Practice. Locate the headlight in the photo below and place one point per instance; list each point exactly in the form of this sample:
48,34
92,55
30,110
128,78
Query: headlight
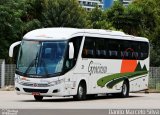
17,78
53,83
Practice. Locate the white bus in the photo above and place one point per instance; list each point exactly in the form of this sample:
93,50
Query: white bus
80,62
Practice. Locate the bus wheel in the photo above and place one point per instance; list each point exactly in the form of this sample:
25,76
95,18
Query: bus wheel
81,92
125,89
38,98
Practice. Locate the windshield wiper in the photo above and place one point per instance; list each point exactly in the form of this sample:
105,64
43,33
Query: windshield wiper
33,62
53,74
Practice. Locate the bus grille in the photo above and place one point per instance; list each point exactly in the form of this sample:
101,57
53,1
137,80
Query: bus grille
33,84
35,90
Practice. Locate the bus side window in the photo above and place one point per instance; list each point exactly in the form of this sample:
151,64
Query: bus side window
113,48
144,47
125,53
88,48
100,48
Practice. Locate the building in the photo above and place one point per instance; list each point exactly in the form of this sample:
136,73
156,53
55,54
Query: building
102,4
90,4
126,2
109,3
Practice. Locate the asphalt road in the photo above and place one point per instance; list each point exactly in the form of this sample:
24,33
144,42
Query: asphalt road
9,99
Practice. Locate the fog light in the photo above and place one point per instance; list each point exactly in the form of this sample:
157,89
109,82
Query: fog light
17,89
55,91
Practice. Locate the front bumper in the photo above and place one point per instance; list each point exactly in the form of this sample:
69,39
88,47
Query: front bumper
58,90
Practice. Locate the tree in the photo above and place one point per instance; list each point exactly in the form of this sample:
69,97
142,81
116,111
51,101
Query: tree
131,20
64,13
10,25
97,19
148,16
150,26
115,15
127,19
32,14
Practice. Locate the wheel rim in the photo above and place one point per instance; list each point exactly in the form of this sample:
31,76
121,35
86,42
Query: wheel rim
80,91
124,89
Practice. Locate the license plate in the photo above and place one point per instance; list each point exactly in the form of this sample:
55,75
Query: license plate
35,93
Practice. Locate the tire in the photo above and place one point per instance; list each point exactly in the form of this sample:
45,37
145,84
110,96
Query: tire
125,90
38,98
81,92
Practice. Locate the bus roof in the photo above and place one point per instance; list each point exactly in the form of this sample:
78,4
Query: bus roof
66,33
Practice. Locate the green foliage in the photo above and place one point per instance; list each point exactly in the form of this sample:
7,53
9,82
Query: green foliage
64,13
10,25
148,16
97,20
115,15
127,19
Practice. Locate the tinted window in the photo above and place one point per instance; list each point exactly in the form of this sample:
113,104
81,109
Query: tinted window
101,48
88,49
144,48
114,49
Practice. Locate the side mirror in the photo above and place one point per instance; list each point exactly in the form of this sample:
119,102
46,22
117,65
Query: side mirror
12,48
71,50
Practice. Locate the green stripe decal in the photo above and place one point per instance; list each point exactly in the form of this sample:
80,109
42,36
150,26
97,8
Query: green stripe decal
114,79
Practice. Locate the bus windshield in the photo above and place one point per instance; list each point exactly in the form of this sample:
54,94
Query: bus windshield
41,58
